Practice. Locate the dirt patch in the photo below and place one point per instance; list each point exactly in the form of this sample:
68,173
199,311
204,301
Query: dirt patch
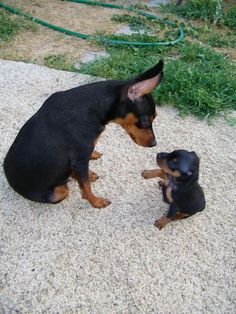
35,47
78,17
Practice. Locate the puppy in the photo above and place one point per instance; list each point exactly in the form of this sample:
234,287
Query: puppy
59,140
179,171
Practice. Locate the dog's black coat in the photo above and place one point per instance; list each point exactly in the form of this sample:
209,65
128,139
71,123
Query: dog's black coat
61,136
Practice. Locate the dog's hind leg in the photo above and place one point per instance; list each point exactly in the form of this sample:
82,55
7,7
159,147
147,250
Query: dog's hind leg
54,196
59,193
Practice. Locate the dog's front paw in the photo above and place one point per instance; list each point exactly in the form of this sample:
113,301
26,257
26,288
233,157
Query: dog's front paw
93,176
160,223
96,155
100,202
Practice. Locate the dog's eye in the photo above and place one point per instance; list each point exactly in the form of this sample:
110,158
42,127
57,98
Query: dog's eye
143,124
138,125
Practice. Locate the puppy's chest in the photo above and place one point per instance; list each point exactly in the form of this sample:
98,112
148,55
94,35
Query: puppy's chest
168,189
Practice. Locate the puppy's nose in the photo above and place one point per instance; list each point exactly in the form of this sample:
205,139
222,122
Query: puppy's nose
161,156
153,143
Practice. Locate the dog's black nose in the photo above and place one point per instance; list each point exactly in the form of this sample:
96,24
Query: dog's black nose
153,143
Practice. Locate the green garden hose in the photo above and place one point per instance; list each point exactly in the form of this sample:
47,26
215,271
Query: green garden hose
101,38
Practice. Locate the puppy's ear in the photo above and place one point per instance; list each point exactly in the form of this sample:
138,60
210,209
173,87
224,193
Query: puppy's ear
146,82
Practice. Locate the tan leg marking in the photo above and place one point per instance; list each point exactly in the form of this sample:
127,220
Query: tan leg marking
95,155
59,193
162,222
169,194
87,194
180,215
93,176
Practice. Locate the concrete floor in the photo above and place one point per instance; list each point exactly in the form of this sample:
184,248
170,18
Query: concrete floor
72,258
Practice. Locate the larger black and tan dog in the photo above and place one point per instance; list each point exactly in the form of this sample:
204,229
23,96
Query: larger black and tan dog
59,140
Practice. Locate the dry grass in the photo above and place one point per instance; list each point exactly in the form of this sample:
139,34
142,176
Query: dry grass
35,46
79,17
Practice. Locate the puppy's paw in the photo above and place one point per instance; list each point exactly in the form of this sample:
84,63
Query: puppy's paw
150,174
100,202
161,183
161,222
146,174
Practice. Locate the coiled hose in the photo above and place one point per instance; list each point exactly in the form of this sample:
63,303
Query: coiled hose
101,38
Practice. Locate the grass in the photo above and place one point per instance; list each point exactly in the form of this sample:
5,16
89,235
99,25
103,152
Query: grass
10,25
197,9
230,18
59,62
204,10
211,35
197,79
231,121
136,23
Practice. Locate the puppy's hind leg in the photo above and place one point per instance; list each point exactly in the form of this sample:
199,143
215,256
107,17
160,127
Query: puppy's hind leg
180,215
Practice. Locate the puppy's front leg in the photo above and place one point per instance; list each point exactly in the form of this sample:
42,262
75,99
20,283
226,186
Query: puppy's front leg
150,174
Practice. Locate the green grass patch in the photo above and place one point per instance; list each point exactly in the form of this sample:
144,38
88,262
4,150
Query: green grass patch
204,10
211,35
193,9
136,23
11,24
59,62
231,121
197,79
229,18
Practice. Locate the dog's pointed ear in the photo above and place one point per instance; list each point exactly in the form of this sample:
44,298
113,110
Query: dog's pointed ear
146,82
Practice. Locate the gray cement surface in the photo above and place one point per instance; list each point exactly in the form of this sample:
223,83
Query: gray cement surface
72,258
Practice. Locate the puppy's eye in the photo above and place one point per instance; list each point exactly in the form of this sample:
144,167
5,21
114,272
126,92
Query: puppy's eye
173,163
